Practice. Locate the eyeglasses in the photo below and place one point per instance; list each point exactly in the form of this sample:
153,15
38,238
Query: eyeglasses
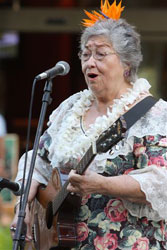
97,55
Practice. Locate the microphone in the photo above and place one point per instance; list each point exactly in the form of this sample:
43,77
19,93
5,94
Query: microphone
61,68
15,187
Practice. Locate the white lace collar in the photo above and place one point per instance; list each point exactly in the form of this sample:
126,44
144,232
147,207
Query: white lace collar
70,141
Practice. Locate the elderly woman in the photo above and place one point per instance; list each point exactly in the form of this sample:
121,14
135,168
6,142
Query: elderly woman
123,191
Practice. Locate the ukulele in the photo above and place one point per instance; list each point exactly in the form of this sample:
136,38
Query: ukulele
54,208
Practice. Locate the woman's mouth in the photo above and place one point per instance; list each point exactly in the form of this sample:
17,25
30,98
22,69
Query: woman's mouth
92,76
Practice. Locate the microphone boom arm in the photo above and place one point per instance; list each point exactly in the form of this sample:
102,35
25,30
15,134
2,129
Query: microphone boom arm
15,187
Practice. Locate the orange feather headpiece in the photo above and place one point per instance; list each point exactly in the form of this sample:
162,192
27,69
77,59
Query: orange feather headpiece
108,11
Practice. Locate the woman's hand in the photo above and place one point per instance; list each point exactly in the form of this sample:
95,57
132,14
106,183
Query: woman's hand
88,183
122,186
27,221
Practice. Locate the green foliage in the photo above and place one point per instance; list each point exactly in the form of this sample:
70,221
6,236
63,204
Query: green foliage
5,238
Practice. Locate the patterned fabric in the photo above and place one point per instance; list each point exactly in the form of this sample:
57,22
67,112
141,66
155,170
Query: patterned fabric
104,222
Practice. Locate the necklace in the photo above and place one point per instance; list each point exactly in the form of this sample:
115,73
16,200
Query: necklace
81,125
68,142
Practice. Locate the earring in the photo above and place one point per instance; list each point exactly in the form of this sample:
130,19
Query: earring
126,73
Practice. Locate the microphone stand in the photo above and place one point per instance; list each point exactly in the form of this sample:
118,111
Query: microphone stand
19,237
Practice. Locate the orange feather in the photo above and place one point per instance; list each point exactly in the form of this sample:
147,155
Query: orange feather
112,11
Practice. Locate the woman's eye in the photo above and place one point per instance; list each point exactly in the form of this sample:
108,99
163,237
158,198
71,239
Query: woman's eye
100,53
85,54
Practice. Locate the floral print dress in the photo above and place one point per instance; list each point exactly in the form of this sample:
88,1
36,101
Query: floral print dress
103,221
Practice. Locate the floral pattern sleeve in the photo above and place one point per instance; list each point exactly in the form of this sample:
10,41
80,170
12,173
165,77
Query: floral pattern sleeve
151,173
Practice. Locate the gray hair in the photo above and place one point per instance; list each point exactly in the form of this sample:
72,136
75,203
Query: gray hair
124,39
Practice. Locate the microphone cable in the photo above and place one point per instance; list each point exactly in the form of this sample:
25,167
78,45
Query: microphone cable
27,141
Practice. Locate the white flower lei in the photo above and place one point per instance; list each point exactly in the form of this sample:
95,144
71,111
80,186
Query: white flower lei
70,142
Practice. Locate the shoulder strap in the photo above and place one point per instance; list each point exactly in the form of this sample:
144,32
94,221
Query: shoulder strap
139,110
